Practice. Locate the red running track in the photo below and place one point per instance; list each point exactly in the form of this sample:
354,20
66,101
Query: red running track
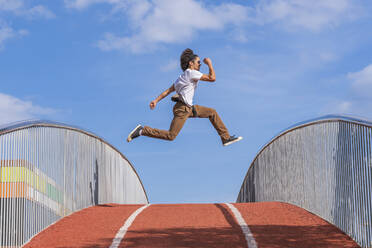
272,224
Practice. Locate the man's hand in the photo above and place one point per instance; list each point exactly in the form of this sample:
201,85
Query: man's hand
153,104
207,61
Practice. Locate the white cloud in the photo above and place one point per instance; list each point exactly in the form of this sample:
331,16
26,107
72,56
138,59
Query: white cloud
11,5
161,22
310,15
39,11
164,21
170,66
356,102
362,80
138,10
113,42
13,109
7,33
240,36
19,8
81,4
168,21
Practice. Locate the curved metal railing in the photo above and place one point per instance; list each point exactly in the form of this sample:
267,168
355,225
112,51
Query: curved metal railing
49,170
324,166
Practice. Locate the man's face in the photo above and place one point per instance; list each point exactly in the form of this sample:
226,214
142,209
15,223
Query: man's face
196,63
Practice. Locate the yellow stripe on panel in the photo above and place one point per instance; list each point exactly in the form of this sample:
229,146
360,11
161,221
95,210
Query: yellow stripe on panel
14,174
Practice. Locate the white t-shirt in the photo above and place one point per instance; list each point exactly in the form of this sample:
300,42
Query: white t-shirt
186,84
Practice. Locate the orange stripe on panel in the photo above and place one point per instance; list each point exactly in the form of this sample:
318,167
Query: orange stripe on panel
13,190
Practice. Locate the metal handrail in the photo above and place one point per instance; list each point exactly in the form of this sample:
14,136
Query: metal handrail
313,160
49,170
322,119
15,126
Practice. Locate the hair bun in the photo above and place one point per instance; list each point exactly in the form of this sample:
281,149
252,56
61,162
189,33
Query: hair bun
187,51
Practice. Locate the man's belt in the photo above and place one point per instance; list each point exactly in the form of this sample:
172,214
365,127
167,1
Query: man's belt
176,98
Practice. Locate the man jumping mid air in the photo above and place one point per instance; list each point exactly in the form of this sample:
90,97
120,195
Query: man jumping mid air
185,87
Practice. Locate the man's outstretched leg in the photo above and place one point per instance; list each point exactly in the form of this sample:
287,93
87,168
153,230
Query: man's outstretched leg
180,111
214,118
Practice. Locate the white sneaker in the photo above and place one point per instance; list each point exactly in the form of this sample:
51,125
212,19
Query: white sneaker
231,140
135,133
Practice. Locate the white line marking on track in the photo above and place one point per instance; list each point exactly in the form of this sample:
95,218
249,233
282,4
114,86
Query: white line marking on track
243,225
123,230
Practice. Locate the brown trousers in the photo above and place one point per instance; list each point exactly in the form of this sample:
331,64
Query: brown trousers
181,112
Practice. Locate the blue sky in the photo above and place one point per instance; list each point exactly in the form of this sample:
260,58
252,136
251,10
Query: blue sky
97,64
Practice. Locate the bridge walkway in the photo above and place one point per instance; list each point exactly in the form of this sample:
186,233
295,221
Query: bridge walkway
272,224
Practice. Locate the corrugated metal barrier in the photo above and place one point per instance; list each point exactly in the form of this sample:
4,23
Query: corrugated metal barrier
50,170
322,165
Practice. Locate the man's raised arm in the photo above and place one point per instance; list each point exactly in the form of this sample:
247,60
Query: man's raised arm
211,77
